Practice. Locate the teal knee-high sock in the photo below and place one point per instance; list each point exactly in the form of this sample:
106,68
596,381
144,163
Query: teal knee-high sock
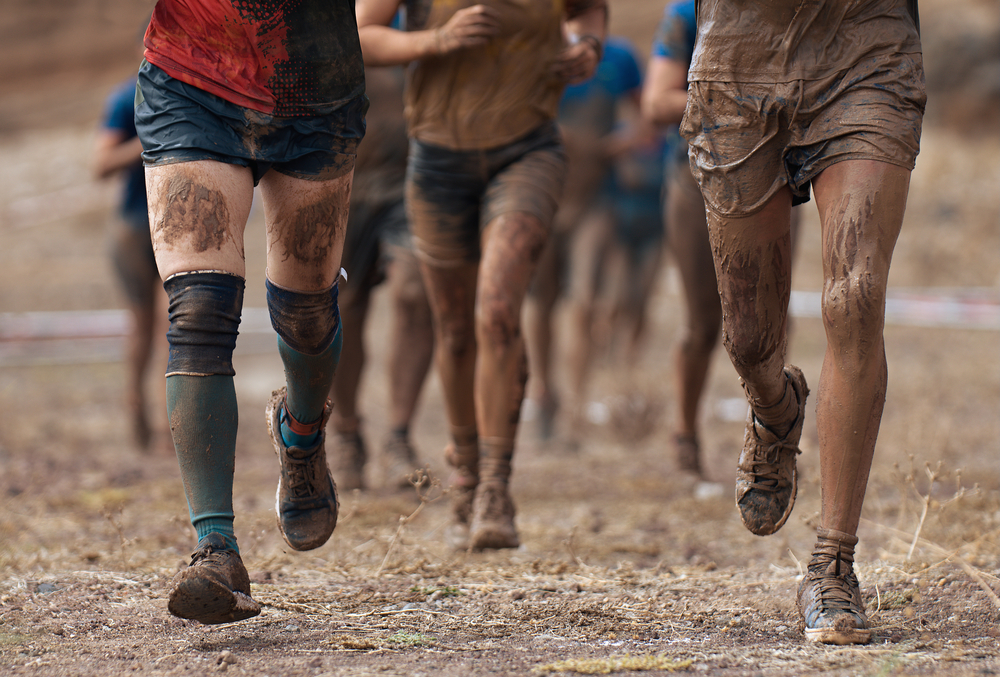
309,378
203,420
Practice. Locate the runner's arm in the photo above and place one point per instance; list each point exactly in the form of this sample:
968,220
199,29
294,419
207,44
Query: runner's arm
586,27
384,46
664,94
113,152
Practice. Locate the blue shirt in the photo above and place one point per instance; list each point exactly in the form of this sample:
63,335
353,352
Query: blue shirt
676,34
119,115
674,40
594,102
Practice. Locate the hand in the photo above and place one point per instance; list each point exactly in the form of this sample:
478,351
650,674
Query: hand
576,63
470,27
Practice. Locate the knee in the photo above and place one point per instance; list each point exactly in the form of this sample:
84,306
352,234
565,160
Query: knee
498,322
853,311
455,336
204,314
306,321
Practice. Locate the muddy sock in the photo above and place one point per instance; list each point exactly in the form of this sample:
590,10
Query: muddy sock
203,419
309,378
833,546
495,460
780,416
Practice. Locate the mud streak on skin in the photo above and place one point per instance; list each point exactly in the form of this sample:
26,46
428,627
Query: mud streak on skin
852,293
194,213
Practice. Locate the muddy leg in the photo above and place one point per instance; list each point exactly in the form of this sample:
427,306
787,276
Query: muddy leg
687,235
861,207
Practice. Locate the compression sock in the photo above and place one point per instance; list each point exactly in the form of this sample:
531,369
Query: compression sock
203,419
309,378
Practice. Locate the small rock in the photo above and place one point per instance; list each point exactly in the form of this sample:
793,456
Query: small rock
227,657
781,628
516,594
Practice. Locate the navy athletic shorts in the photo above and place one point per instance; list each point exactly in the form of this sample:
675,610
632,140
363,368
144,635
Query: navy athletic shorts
181,123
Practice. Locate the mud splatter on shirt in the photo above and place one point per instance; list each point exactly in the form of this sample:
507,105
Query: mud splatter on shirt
287,58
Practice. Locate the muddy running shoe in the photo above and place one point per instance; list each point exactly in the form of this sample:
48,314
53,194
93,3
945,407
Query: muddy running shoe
349,458
688,454
766,478
215,587
829,595
306,500
399,464
492,525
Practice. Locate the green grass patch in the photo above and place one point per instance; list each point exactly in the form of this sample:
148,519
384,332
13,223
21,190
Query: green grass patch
412,639
428,590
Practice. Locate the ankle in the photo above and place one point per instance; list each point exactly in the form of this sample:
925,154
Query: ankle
495,462
781,416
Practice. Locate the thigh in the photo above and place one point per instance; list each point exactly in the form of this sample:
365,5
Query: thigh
306,222
197,214
687,237
529,181
737,134
512,246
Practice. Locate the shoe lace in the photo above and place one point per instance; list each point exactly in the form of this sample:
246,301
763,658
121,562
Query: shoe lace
769,464
299,472
835,582
209,554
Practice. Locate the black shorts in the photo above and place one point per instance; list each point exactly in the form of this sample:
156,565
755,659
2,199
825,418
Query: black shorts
451,195
178,122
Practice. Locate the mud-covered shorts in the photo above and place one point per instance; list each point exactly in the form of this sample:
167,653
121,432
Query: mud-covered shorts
451,195
747,140
178,122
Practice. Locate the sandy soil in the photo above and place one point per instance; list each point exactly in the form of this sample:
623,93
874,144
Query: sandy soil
625,564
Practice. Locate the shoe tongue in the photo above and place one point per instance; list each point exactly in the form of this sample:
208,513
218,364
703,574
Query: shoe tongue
213,541
300,454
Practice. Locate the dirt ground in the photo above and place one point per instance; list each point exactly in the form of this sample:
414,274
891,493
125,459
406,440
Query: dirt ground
625,565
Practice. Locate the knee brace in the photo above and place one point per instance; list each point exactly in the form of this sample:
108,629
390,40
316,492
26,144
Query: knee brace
306,321
204,309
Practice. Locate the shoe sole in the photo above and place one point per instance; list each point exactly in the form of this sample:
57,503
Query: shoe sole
836,636
211,603
493,536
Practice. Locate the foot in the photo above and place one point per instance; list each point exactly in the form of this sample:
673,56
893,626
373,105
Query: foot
830,596
548,407
306,500
349,457
399,464
215,587
688,454
492,525
464,478
766,478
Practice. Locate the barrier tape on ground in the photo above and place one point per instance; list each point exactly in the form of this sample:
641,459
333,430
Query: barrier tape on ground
82,336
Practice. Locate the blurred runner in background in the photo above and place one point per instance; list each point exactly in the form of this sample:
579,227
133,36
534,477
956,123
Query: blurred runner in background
486,168
379,248
117,150
607,239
